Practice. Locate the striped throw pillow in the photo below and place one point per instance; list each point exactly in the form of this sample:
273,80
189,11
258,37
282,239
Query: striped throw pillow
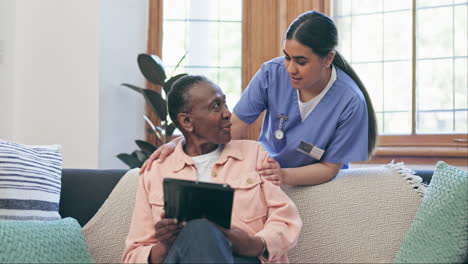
30,181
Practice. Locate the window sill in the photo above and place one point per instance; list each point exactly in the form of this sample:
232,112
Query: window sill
421,155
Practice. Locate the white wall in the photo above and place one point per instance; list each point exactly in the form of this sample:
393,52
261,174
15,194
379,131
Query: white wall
7,24
56,77
62,65
123,35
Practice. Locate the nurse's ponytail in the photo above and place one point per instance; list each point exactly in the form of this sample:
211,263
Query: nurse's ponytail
318,32
341,63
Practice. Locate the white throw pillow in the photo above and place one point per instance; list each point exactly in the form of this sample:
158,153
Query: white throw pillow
30,181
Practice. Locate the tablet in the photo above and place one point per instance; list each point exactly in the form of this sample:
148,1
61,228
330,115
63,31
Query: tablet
187,200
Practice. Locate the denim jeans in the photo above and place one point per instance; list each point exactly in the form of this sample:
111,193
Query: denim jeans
202,242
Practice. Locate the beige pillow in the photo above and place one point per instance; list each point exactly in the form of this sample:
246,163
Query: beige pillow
361,216
106,232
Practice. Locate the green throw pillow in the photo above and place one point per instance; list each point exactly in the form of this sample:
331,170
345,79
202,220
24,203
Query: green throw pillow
59,241
439,232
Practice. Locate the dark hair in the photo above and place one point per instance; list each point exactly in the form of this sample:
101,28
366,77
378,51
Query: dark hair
318,32
178,98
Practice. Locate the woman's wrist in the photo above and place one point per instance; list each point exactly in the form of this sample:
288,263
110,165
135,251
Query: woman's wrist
263,249
158,253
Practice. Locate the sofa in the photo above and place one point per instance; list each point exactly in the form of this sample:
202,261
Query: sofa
378,214
85,190
361,216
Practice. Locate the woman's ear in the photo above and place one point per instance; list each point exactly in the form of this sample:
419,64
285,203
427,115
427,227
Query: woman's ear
185,121
329,58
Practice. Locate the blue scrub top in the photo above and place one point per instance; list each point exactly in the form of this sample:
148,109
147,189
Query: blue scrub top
338,124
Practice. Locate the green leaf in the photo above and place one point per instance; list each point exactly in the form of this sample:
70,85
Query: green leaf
151,125
130,160
140,155
180,61
160,133
170,129
152,68
154,129
167,86
146,147
160,129
133,87
156,103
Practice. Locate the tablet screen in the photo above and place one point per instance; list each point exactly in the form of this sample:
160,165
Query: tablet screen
187,200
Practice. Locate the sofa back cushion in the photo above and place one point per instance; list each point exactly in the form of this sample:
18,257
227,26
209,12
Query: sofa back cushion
361,216
106,232
29,181
84,191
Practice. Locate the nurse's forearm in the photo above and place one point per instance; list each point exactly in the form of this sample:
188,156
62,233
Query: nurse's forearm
311,174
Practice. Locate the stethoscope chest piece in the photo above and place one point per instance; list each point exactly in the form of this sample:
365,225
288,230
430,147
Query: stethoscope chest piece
279,134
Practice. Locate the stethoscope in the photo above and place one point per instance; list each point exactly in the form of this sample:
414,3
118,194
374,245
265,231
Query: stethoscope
279,133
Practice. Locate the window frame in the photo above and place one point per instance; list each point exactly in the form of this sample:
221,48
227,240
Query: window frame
420,148
412,149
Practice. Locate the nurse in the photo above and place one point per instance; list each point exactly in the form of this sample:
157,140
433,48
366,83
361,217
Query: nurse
319,116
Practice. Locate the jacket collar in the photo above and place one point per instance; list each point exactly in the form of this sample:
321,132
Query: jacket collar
178,159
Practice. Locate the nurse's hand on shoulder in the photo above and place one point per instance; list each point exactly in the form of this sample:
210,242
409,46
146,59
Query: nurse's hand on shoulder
160,154
271,171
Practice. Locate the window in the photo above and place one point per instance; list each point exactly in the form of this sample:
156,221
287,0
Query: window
412,57
210,31
376,37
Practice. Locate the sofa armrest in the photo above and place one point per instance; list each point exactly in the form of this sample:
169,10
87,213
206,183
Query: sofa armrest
84,191
426,175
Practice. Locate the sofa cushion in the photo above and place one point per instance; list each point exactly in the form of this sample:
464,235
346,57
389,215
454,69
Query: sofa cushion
85,190
29,181
107,230
439,232
58,241
361,216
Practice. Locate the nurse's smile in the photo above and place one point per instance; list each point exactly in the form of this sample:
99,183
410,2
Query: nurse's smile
295,80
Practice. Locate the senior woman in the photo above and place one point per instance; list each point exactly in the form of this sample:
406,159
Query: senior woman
265,223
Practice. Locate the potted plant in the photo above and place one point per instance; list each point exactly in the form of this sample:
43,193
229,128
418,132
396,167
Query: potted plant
153,70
